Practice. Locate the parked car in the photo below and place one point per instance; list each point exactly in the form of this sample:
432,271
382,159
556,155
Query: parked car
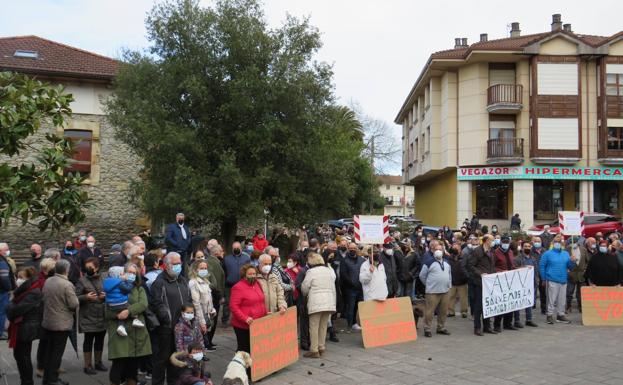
593,223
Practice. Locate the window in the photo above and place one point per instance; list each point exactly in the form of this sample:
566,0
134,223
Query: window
26,54
615,138
386,187
492,199
416,148
614,84
428,139
606,200
548,199
81,159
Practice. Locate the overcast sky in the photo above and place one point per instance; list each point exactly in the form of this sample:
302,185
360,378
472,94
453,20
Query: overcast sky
377,47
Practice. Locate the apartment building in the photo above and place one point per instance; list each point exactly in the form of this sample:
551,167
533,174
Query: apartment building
527,124
398,196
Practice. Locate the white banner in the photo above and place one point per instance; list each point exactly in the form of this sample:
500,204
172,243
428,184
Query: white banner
507,291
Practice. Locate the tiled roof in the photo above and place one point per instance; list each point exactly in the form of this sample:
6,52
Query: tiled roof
390,179
54,59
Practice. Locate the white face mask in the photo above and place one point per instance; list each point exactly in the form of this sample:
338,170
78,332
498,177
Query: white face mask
202,273
290,265
197,356
90,245
7,253
266,269
19,281
438,254
163,251
141,257
389,252
188,316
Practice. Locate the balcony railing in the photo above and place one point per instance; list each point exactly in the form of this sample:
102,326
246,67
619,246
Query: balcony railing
505,98
505,151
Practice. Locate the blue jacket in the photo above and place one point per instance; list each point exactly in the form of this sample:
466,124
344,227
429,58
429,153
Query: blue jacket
232,265
117,290
174,239
349,272
554,264
7,280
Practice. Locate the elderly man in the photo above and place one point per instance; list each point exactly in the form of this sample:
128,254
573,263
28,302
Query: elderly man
177,236
437,276
353,291
537,251
122,258
35,256
7,283
90,251
169,293
553,268
59,304
52,253
81,240
217,285
232,265
576,276
481,262
273,292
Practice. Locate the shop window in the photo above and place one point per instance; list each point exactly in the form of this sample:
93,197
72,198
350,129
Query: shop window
615,138
492,199
81,158
548,199
606,197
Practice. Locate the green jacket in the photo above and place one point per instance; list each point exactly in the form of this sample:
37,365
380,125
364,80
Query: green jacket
137,343
577,274
217,274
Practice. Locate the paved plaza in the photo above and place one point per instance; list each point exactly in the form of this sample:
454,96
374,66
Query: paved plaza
549,354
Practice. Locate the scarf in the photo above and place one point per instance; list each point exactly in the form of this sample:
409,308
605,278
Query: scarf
17,321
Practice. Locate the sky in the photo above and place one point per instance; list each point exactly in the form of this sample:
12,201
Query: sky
377,47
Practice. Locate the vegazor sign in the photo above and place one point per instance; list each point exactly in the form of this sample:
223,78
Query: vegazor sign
537,172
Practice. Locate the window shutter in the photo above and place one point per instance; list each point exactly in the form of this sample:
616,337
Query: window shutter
558,134
614,69
501,77
557,79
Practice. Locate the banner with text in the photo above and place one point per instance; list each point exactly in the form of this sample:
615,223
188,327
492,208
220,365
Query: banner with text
387,322
602,306
274,343
507,291
535,172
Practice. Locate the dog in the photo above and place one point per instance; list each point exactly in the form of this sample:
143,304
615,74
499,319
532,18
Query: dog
419,306
236,373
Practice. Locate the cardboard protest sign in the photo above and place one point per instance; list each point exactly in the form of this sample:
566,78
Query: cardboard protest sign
602,306
274,343
371,229
387,322
507,291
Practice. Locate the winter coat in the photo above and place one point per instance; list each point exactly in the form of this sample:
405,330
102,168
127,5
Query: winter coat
91,317
459,277
523,260
246,300
190,372
117,290
34,262
86,253
554,264
503,261
201,295
374,284
604,270
260,244
232,265
319,288
273,292
389,263
408,266
59,304
137,343
186,333
349,272
217,273
577,274
75,272
480,262
437,276
292,274
167,295
26,314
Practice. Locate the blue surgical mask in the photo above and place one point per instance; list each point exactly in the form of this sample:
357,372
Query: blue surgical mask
130,277
198,356
176,269
505,246
496,241
202,273
557,245
537,245
603,249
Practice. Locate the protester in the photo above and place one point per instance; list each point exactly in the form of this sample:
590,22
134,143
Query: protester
81,240
603,269
437,276
201,294
481,262
35,257
122,258
407,268
353,291
515,223
260,243
504,261
187,330
168,293
70,254
525,259
284,279
389,263
7,284
273,292
247,305
373,277
127,352
217,287
89,251
576,275
319,288
59,304
152,270
177,236
191,366
117,287
292,269
459,282
553,269
91,321
232,264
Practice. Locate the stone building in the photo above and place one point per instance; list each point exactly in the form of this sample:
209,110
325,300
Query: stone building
108,164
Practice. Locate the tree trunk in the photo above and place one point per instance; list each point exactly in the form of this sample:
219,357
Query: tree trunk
229,227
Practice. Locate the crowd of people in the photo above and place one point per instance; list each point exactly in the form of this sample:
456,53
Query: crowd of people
160,302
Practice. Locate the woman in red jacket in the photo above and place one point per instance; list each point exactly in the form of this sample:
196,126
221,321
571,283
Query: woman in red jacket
246,304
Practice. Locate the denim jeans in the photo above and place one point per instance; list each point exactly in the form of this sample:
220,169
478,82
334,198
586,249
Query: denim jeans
4,302
353,296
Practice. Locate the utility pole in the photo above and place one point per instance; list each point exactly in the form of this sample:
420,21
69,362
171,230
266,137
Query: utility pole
372,171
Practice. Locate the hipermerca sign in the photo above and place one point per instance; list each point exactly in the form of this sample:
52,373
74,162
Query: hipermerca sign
536,172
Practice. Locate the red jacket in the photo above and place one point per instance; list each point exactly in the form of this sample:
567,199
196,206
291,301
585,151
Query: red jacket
246,301
260,244
501,261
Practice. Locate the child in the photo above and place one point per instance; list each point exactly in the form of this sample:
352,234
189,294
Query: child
117,286
191,366
186,330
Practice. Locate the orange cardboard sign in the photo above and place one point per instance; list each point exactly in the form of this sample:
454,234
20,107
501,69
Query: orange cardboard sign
274,343
602,306
387,322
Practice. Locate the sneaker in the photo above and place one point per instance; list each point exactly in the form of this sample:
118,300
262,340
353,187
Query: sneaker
562,319
211,348
550,319
137,323
121,331
428,334
518,325
356,327
445,332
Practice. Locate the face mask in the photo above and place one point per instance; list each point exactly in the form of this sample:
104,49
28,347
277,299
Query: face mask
494,230
198,356
557,245
70,248
163,251
603,249
537,245
91,245
83,238
33,254
249,249
438,254
7,253
419,234
176,269
266,269
251,280
202,273
593,246
527,251
505,246
255,262
290,265
236,251
188,316
496,241
90,272
140,257
180,222
131,277
19,281
423,241
352,254
389,252
342,249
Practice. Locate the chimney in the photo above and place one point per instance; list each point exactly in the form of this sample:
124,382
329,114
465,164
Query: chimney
567,27
464,42
515,31
484,37
556,22
457,43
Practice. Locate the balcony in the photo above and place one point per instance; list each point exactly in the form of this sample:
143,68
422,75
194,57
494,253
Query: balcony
505,98
505,151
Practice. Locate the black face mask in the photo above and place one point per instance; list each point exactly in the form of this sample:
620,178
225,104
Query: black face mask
33,254
90,272
342,248
236,251
180,222
69,248
352,254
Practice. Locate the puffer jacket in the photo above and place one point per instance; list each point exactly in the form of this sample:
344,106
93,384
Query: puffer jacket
91,317
349,272
374,284
247,300
202,299
319,288
554,264
273,292
186,333
59,304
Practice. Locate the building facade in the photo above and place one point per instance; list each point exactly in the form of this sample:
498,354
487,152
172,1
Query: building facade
398,196
108,165
525,124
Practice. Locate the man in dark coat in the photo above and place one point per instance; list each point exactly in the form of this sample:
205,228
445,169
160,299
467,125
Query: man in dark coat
389,262
353,292
407,268
178,237
90,251
35,254
71,254
481,262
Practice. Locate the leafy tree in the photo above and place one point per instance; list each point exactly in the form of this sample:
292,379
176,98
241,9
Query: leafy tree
231,117
33,188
